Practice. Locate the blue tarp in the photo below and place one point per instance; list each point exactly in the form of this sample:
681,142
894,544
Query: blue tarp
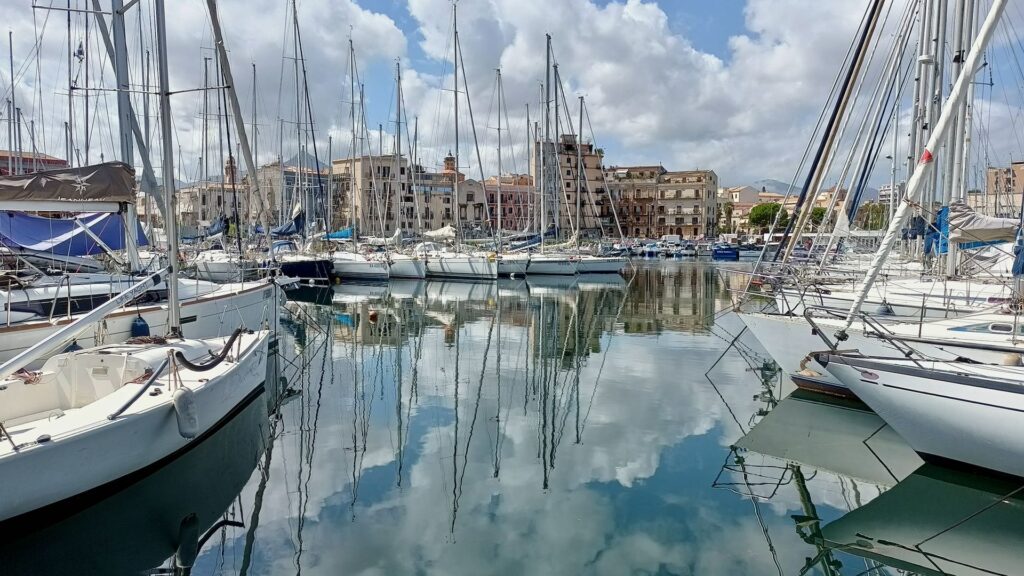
63,235
532,240
942,219
1018,256
344,234
219,225
296,226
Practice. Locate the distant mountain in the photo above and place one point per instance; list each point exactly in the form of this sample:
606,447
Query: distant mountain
779,187
770,185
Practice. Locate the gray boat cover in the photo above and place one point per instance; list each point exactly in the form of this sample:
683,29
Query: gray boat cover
966,225
107,182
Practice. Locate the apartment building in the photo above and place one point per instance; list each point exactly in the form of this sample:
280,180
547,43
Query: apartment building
1003,189
635,190
653,202
200,204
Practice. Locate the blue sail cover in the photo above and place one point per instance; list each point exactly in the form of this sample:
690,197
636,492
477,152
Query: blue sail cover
1018,255
65,236
297,225
344,234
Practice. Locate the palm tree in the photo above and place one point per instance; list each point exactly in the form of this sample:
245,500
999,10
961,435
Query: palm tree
727,209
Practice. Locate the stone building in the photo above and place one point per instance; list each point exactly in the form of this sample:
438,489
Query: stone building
393,196
635,190
575,189
740,200
1002,194
283,185
518,197
687,204
653,202
201,204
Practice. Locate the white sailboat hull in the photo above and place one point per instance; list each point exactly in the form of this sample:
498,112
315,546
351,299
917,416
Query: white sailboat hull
599,265
966,413
224,266
403,266
361,268
554,265
790,342
461,266
513,264
85,450
208,315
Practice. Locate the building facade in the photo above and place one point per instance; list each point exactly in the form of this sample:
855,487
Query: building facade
28,162
653,202
734,208
201,204
635,190
1002,194
284,185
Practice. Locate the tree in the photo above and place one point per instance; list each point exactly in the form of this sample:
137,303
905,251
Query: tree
817,216
872,216
763,215
725,224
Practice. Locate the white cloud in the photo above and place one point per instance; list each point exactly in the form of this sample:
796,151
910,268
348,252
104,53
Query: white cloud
653,95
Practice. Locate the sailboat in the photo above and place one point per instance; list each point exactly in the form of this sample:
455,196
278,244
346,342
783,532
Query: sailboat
400,264
449,261
111,413
955,410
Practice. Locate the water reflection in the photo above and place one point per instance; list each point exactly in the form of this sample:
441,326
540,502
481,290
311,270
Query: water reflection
545,426
865,501
169,514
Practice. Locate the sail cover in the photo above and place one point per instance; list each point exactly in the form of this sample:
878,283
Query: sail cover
445,233
297,225
343,234
65,236
966,225
378,241
108,182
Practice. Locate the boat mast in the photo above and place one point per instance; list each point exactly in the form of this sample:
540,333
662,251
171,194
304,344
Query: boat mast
396,182
170,222
556,163
414,145
236,111
498,245
455,94
917,182
579,172
547,136
531,144
205,155
954,191
352,165
815,175
124,127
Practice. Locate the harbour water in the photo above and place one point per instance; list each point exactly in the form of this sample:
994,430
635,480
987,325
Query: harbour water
539,426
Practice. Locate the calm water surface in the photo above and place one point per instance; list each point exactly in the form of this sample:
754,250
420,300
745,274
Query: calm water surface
529,427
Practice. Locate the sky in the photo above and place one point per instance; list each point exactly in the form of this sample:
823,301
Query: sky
730,85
